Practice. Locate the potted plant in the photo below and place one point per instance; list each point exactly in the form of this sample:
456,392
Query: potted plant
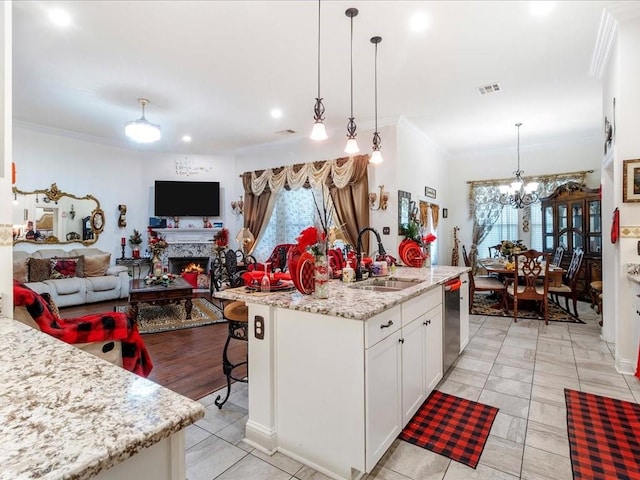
135,240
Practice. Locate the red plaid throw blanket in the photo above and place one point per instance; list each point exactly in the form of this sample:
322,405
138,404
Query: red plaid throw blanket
90,328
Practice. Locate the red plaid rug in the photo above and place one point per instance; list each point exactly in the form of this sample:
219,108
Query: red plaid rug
604,436
451,426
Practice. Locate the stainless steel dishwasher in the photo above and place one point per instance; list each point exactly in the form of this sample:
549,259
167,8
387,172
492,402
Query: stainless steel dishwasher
451,335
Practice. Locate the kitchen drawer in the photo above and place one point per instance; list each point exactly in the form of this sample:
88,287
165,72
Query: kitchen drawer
412,309
382,325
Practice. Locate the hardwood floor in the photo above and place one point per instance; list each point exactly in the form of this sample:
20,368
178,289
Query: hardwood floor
187,361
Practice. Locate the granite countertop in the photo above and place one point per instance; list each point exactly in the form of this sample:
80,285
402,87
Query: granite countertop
633,272
68,414
350,302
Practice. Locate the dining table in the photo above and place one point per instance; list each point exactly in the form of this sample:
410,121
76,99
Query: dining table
499,267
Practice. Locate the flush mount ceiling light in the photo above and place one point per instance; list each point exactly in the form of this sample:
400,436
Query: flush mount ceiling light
318,132
352,144
142,130
376,156
519,194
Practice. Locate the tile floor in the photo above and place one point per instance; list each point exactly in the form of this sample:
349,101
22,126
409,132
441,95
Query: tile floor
520,368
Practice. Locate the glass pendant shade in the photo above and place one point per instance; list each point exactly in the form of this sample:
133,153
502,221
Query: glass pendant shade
318,132
519,193
376,157
352,146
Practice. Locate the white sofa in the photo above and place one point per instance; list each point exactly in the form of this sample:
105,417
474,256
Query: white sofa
111,285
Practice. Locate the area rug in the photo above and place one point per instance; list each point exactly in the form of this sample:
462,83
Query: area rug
451,426
162,318
482,305
604,436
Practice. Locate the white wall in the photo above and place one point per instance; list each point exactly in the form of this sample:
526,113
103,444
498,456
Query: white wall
568,156
114,176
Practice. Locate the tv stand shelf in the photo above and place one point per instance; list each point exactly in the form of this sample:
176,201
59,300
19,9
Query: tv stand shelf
187,235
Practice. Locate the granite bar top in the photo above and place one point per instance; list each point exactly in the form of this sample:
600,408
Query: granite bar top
65,413
349,302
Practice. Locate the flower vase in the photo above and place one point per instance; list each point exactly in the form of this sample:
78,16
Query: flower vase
426,252
157,265
135,252
321,276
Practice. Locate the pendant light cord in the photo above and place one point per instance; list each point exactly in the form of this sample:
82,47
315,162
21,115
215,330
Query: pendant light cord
375,83
318,48
352,67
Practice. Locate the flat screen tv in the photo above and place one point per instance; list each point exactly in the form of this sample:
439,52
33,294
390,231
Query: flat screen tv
187,199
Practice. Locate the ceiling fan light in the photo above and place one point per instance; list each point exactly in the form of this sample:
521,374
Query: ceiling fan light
376,157
351,147
318,132
142,131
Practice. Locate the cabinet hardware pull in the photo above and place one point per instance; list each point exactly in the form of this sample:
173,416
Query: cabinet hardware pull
387,325
428,322
401,340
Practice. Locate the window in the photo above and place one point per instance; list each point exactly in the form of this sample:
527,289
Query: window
505,228
535,226
293,212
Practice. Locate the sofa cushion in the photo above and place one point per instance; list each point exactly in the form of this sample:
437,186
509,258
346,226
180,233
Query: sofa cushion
39,269
50,253
66,286
96,265
21,269
101,284
63,267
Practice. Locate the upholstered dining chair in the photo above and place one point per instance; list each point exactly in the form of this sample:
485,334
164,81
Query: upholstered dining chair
569,287
484,283
557,256
531,281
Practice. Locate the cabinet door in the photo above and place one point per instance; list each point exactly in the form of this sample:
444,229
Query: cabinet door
383,397
464,311
433,348
413,368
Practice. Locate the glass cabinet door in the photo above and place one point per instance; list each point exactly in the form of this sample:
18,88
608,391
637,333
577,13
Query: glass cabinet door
576,216
548,220
562,217
595,219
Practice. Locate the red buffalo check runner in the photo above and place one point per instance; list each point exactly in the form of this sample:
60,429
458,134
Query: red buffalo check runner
604,436
451,426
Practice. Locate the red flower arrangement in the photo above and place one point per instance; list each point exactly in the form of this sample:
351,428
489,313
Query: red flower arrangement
428,239
157,244
222,238
313,239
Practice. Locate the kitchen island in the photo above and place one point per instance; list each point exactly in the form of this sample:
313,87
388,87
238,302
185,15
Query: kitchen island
332,382
66,414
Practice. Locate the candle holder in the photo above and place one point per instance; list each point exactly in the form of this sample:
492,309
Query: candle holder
122,251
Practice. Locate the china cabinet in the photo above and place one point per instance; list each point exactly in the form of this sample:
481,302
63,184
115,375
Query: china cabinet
571,217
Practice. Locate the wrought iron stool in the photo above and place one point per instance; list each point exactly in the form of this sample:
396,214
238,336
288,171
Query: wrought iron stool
237,314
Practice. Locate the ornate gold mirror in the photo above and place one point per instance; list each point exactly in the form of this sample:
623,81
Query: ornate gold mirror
51,216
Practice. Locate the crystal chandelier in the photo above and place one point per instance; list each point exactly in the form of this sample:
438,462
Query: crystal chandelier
142,130
519,194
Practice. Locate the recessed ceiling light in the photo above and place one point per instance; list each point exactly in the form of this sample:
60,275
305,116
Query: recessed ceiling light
186,138
419,22
59,17
541,8
276,113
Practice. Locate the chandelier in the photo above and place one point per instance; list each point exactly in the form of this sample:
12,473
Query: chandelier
142,130
519,194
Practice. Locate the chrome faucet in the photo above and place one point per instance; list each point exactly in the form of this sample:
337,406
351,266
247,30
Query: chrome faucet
381,249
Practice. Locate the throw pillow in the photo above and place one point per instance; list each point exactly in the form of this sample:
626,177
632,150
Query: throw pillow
63,267
79,264
96,265
53,308
39,269
21,270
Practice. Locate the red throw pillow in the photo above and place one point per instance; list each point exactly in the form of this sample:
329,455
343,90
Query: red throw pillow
191,278
63,267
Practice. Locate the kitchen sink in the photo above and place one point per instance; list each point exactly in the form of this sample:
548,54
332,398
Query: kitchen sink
383,285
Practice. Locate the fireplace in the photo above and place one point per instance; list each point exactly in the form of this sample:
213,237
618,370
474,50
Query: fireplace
178,265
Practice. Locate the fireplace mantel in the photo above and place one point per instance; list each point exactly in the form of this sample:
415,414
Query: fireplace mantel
187,235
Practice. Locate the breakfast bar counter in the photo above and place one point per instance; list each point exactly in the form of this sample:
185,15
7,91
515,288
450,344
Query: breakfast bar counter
66,414
333,381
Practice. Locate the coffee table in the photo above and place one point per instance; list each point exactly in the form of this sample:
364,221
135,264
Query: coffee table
175,292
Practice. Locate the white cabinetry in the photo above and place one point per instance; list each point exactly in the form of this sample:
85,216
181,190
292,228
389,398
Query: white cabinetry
464,311
413,368
432,327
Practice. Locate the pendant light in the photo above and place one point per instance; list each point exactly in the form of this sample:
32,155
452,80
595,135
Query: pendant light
376,156
142,130
352,144
519,194
318,132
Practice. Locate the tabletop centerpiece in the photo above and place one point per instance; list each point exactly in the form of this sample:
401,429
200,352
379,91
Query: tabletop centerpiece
509,248
157,245
164,279
135,239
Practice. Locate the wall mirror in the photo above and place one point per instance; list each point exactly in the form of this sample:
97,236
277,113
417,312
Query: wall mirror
404,202
51,216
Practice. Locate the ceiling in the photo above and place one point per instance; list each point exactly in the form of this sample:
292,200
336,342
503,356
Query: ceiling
215,69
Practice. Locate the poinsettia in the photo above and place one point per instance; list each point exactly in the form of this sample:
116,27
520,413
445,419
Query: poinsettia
222,238
313,239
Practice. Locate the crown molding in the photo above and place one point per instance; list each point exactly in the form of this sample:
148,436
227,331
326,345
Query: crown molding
612,15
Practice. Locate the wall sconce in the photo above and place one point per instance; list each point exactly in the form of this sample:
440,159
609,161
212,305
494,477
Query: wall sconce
237,208
382,202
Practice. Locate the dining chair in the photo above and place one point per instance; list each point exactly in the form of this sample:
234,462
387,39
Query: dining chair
484,283
557,256
595,287
569,287
494,251
531,282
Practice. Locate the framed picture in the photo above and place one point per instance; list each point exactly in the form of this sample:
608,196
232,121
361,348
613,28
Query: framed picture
429,192
631,181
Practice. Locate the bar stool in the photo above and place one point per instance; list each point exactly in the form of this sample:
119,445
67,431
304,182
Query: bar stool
237,315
